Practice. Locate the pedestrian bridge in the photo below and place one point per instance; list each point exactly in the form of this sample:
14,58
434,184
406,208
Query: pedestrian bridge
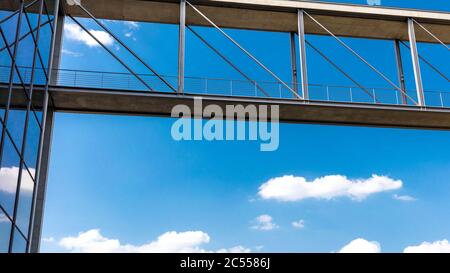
29,96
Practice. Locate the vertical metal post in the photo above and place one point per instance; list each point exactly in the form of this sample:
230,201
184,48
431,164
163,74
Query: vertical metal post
27,116
294,63
400,72
302,46
415,62
181,46
44,143
58,49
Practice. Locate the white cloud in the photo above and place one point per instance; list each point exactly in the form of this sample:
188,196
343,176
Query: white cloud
298,224
361,245
264,222
71,53
48,239
3,218
169,242
131,25
405,198
75,33
426,247
9,176
374,2
236,249
291,188
259,248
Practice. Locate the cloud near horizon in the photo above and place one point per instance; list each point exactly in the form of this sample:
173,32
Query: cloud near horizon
291,188
361,245
92,241
442,246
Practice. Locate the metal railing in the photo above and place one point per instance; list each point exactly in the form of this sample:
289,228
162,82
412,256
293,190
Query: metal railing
224,87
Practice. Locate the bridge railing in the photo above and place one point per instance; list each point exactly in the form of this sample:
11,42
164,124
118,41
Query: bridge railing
224,87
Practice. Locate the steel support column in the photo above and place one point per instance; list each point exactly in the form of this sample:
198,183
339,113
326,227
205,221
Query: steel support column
41,187
302,47
400,71
44,142
415,62
181,46
294,63
58,48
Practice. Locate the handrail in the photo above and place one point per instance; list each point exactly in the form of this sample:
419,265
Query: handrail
80,71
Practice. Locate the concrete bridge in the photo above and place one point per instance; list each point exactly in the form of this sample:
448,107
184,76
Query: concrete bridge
47,89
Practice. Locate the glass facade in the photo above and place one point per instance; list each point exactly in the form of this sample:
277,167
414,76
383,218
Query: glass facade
26,30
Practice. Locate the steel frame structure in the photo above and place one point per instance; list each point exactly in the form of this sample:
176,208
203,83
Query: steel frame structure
46,96
21,236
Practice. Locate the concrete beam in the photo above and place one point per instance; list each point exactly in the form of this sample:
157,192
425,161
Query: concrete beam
272,15
275,15
291,111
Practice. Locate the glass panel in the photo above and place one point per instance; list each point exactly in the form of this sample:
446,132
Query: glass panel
16,119
19,243
25,197
5,230
31,149
4,78
9,174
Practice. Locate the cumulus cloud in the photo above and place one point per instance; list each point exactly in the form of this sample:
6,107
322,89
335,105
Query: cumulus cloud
9,176
264,222
93,241
75,33
361,245
298,224
291,188
426,247
405,198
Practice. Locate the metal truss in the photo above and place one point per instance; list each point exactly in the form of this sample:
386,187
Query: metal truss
360,57
91,16
228,61
28,90
240,47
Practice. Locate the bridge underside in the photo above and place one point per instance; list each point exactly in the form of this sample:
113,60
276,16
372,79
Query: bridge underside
273,15
101,101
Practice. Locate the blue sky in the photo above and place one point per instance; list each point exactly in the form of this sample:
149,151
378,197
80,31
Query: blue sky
123,184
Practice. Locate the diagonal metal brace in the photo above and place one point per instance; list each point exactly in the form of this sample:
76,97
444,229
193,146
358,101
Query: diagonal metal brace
110,52
227,61
341,70
431,34
428,63
359,57
125,46
244,50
